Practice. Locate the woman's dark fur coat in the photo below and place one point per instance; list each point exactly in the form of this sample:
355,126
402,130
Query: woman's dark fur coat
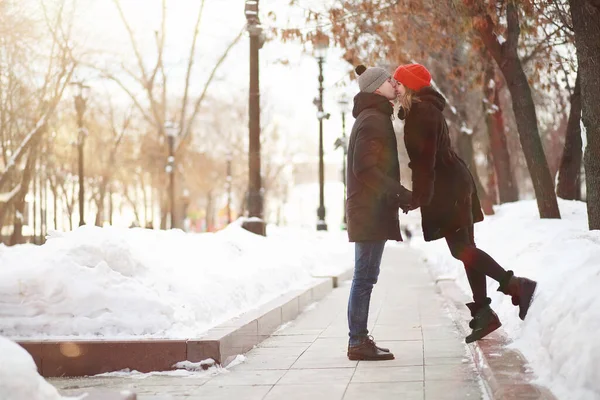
442,184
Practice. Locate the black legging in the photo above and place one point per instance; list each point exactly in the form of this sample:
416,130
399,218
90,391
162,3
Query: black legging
478,264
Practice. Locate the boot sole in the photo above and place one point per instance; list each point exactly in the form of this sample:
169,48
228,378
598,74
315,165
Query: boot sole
471,339
356,357
525,303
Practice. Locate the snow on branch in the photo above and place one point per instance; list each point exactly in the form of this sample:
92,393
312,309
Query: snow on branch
20,152
38,128
6,198
464,129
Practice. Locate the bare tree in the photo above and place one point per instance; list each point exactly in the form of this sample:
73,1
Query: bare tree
508,190
506,56
156,106
23,89
586,14
569,175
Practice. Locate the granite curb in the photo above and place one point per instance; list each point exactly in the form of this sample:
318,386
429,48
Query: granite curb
505,371
71,358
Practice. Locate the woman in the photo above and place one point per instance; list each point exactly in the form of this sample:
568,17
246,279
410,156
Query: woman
444,189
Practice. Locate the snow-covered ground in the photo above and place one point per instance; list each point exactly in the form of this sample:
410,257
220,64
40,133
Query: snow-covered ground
19,378
118,283
560,334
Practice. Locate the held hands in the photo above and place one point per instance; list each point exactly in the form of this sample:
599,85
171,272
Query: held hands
402,200
408,207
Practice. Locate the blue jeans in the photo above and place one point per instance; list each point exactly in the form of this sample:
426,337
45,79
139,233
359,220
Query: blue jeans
367,260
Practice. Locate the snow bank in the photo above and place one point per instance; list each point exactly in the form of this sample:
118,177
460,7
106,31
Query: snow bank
329,253
19,378
560,334
118,283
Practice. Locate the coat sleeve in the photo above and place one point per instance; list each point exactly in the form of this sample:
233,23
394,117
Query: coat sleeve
367,151
422,163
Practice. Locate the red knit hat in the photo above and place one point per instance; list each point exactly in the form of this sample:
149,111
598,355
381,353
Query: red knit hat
413,76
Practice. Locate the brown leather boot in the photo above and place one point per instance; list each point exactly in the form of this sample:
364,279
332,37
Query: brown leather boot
484,322
521,290
367,350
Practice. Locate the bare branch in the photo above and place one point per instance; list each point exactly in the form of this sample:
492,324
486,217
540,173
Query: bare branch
132,39
108,75
189,69
37,130
206,85
7,198
485,28
160,43
148,84
543,44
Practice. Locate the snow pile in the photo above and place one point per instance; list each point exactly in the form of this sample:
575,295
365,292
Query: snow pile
183,369
329,252
19,378
559,336
118,283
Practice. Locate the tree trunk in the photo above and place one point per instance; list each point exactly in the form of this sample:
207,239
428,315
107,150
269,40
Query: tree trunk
35,190
54,190
68,203
535,158
17,235
164,210
144,199
492,186
110,205
507,58
586,15
569,174
465,149
100,203
2,218
133,202
44,231
507,187
209,212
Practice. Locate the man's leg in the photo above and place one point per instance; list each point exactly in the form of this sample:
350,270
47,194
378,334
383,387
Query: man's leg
367,261
366,272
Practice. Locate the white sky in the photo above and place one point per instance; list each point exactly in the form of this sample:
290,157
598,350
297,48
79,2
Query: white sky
288,90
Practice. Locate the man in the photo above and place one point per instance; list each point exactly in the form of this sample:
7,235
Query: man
373,198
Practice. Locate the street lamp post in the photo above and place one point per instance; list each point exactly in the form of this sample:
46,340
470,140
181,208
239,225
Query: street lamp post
254,223
171,132
320,45
342,142
80,96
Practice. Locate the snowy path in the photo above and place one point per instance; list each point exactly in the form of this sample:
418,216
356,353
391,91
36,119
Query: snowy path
307,359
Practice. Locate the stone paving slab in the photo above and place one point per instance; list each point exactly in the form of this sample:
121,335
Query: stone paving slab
306,359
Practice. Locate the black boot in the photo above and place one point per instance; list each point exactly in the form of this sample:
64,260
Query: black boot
367,350
521,291
484,322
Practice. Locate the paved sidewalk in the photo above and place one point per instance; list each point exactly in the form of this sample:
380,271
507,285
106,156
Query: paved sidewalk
307,359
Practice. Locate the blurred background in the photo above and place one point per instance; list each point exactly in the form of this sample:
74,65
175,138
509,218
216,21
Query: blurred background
135,113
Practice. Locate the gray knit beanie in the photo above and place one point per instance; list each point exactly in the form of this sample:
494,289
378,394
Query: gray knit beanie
369,79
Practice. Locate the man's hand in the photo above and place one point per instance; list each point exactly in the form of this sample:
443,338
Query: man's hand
401,200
